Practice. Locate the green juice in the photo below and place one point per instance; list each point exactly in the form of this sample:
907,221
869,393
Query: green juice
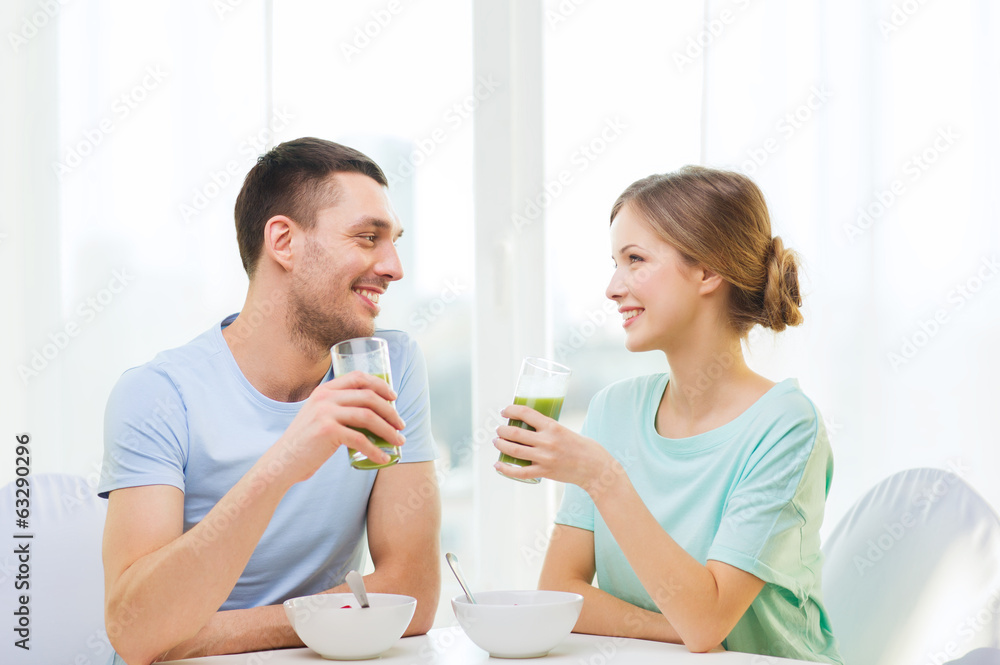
547,406
359,461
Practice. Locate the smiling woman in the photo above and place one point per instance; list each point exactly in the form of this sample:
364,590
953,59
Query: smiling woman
718,218
696,504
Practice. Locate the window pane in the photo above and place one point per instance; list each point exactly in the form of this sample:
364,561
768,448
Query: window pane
611,117
397,86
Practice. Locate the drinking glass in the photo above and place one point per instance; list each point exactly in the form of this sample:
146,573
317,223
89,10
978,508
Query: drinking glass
371,356
541,386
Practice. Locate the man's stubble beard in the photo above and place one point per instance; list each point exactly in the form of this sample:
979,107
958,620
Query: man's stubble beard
316,330
313,328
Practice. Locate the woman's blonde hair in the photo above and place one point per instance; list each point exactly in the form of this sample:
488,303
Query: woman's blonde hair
719,219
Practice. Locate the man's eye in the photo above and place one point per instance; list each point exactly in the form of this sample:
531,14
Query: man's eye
369,238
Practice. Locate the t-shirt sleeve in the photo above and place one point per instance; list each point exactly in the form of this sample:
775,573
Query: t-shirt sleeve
409,373
774,505
577,508
145,433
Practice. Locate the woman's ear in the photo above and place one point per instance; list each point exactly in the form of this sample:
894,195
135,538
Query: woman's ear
278,232
711,281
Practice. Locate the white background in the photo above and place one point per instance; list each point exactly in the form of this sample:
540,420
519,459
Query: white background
829,106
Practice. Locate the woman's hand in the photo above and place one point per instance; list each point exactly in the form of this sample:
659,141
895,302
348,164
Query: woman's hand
554,451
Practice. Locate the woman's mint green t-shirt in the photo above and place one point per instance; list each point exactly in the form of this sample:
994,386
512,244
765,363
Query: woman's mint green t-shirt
750,494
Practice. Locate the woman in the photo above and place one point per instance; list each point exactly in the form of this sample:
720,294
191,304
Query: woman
695,496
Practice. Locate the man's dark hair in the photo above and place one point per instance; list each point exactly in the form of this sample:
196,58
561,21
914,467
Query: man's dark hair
293,179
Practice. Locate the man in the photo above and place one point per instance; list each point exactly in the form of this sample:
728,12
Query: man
228,486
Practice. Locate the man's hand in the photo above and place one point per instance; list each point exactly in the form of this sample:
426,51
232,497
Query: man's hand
331,417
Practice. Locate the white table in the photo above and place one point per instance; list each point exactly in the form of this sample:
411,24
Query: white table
450,646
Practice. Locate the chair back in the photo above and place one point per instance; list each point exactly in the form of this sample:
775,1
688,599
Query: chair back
57,570
980,656
912,572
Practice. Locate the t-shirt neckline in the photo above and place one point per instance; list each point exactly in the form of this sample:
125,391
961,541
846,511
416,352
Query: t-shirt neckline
713,437
234,368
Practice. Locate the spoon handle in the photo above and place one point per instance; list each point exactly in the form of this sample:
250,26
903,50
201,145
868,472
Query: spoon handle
358,587
457,570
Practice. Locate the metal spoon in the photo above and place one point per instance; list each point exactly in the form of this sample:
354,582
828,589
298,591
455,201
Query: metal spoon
455,568
358,587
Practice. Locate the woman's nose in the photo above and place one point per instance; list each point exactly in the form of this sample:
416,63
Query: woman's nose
616,287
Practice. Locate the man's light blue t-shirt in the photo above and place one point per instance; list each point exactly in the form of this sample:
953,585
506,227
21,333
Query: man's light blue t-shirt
190,419
750,494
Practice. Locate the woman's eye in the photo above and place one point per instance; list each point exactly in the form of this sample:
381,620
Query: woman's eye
633,258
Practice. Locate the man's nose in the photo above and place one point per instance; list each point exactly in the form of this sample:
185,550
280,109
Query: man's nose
389,266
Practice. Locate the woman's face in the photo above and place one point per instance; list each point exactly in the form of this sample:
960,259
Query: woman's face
656,290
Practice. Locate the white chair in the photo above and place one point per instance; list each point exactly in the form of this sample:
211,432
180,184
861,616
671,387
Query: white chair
64,571
980,656
912,572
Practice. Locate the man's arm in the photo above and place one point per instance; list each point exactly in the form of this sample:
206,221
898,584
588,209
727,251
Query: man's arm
403,540
162,586
404,526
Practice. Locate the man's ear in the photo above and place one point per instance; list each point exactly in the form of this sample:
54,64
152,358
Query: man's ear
711,281
278,232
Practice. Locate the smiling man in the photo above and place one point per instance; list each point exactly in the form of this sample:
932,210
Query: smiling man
228,484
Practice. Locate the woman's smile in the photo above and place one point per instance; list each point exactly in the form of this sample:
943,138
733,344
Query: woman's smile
629,315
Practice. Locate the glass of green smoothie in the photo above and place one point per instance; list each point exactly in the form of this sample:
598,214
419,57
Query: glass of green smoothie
542,387
371,356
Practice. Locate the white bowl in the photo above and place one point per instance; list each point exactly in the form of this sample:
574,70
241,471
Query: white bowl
518,624
353,633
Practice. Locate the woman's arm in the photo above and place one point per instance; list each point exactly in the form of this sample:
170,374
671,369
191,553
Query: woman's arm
702,603
569,566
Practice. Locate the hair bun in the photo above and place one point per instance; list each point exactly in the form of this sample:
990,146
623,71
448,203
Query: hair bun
781,291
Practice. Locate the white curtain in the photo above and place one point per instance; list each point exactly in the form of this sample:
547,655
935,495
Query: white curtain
872,128
123,244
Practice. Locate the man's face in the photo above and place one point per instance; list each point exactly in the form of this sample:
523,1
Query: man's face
345,262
